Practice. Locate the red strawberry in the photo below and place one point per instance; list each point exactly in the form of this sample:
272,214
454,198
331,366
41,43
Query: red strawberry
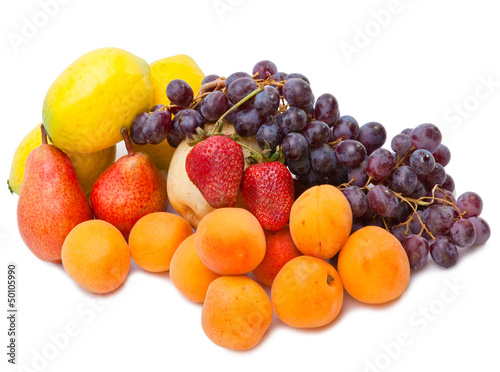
215,165
268,192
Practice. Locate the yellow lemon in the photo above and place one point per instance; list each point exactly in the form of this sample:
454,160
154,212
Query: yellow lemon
88,167
162,72
94,97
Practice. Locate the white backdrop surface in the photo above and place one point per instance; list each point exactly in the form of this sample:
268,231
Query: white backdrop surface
398,62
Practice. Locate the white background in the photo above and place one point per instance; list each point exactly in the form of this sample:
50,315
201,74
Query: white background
422,61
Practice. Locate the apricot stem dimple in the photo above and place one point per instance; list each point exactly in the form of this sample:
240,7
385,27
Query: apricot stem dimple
329,279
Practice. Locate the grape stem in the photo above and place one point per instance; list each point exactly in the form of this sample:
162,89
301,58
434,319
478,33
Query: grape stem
218,126
410,201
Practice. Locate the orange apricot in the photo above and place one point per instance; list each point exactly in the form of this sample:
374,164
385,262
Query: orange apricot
307,292
373,266
320,221
279,250
154,239
230,241
236,313
96,256
188,274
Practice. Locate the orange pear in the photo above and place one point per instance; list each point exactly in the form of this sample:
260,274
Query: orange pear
51,201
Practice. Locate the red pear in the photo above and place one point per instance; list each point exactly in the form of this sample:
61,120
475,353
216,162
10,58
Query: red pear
129,189
51,201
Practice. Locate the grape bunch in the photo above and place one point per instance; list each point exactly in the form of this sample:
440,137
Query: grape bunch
404,189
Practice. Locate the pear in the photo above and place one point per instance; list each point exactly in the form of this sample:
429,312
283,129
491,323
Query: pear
51,201
128,190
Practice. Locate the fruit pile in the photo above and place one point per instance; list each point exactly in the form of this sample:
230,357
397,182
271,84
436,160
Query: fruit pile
274,183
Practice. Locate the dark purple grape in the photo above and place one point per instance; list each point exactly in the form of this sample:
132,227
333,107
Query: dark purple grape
339,175
357,199
382,201
234,76
322,159
294,146
248,122
438,219
407,131
156,107
372,135
350,153
442,155
415,224
449,183
297,92
404,180
401,144
309,109
346,126
327,109
417,249
435,177
419,191
441,197
300,166
316,133
271,133
470,203
189,120
279,77
209,78
402,214
296,75
267,102
483,230
240,88
379,164
358,174
426,136
463,233
173,139
264,69
399,233
312,178
175,129
180,93
214,105
156,127
422,161
444,252
136,131
295,119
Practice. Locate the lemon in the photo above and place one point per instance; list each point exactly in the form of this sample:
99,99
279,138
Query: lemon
163,71
88,167
94,97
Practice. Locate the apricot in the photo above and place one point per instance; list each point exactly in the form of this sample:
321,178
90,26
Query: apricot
188,274
320,221
96,256
230,241
373,266
154,239
307,292
279,250
236,313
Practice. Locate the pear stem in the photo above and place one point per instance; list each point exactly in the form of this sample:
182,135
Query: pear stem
126,139
44,134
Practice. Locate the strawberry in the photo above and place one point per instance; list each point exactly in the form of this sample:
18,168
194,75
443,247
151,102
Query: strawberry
215,165
268,192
